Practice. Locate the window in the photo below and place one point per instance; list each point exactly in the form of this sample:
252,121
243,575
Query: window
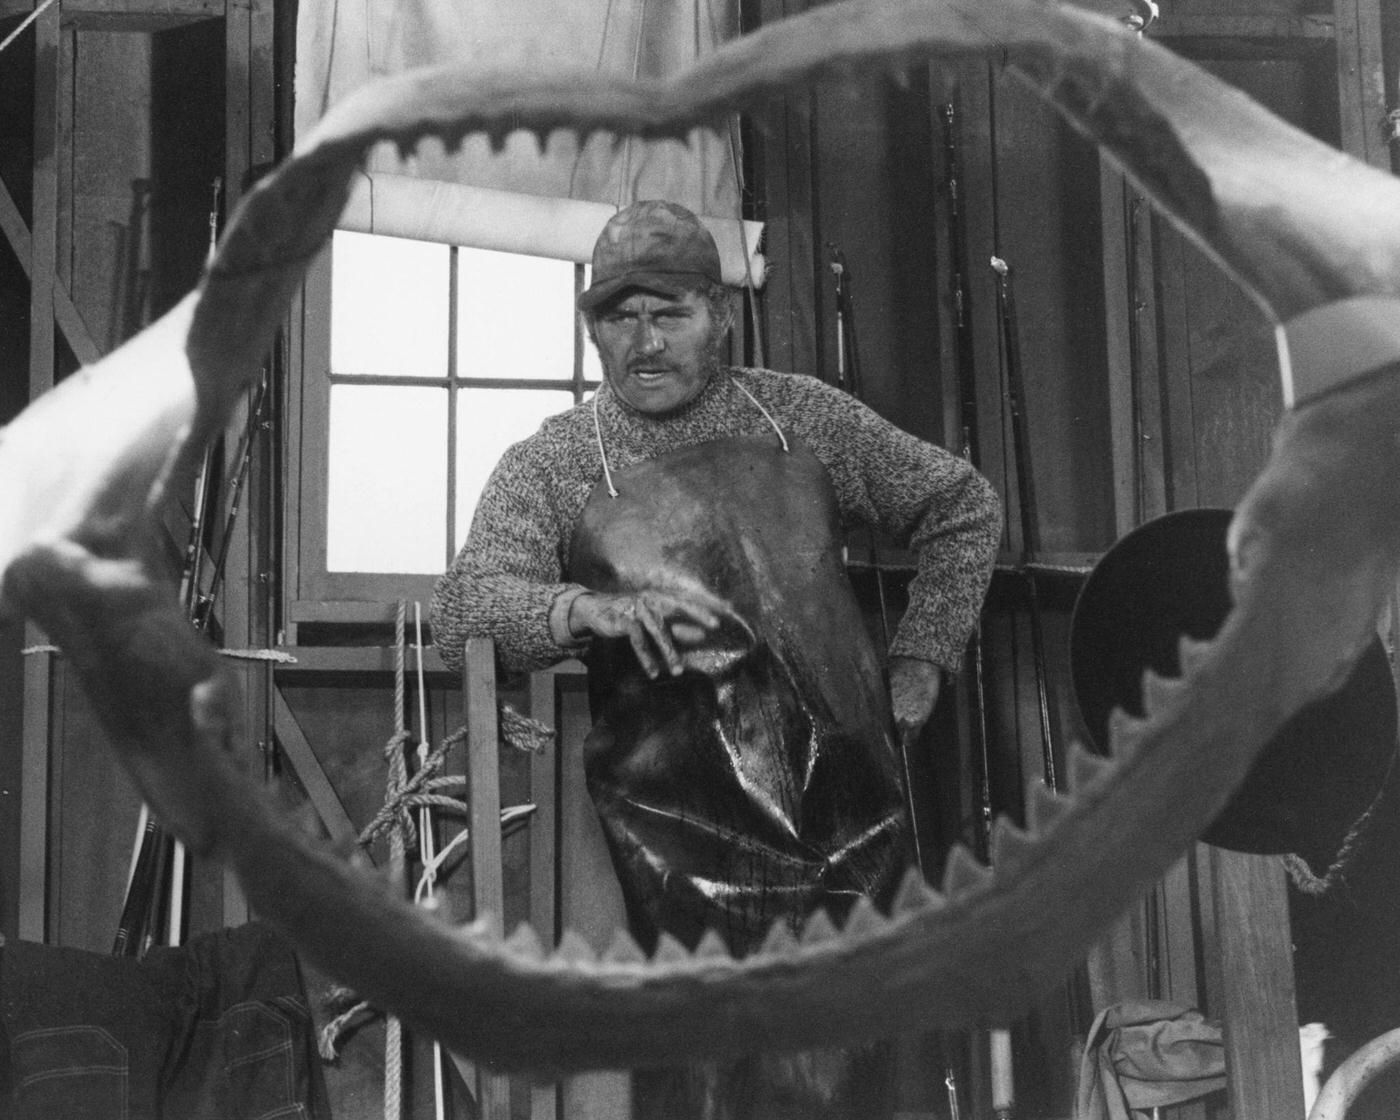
436,359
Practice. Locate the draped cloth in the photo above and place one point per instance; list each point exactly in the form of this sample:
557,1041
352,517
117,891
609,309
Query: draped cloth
342,44
1146,1054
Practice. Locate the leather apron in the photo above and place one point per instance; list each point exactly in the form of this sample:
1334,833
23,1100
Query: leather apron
762,782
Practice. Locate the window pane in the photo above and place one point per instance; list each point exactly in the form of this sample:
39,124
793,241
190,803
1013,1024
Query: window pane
592,367
515,316
389,298
388,479
489,421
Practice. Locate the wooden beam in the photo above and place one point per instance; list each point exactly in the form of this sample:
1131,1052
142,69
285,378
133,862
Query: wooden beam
42,258
1258,1009
69,319
1361,82
544,793
34,791
1204,35
484,821
300,754
124,15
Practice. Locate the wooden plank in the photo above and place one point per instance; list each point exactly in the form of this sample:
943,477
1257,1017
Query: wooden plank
1267,30
302,757
1113,190
785,144
484,820
1258,1007
354,659
34,790
1153,446
69,319
544,852
1175,361
44,231
1361,82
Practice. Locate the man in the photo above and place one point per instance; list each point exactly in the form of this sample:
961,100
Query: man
681,532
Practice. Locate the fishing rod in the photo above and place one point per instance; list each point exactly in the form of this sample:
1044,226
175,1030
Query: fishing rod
159,857
1076,994
848,378
1025,489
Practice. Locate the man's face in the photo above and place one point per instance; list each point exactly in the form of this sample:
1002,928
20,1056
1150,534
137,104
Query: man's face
658,351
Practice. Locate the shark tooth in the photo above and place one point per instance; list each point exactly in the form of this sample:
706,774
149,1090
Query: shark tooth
712,947
525,942
669,951
864,920
1044,807
780,941
915,893
819,929
1009,846
573,949
963,871
1085,768
624,949
1126,734
1158,692
1191,654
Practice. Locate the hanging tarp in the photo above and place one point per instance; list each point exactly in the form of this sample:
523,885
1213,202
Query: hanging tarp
341,44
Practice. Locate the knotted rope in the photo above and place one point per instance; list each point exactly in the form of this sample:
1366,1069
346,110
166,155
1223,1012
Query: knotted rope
404,794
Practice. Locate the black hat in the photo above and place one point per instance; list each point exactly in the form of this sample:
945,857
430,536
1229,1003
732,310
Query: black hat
1316,776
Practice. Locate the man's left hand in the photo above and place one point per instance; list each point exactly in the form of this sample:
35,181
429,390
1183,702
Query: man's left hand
914,688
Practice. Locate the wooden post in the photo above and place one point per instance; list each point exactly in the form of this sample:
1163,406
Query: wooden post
43,247
1361,81
544,793
484,820
1257,1007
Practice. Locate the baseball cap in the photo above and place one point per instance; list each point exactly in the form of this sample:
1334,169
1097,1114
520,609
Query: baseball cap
651,244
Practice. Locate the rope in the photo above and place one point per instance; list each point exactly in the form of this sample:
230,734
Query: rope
423,789
522,732
397,780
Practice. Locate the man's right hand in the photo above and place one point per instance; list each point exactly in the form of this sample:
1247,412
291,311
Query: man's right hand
656,623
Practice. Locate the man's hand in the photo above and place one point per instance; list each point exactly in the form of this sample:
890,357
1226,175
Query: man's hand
914,688
656,623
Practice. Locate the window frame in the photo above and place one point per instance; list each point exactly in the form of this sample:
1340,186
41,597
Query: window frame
314,593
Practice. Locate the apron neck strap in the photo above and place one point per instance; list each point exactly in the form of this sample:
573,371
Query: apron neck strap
603,455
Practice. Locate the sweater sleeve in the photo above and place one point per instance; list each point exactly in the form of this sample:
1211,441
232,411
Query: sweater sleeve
507,580
931,501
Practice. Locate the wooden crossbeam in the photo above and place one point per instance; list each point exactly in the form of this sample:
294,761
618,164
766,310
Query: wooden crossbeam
70,321
313,778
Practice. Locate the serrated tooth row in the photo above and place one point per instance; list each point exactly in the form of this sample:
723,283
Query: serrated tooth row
1009,846
624,949
1159,692
780,941
525,942
1085,768
1191,654
1126,734
1044,807
819,929
574,949
711,947
916,894
963,872
864,920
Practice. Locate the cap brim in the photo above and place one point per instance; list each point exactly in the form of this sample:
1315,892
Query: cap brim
670,284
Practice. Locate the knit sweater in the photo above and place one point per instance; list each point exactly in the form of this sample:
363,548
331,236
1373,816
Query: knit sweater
512,570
